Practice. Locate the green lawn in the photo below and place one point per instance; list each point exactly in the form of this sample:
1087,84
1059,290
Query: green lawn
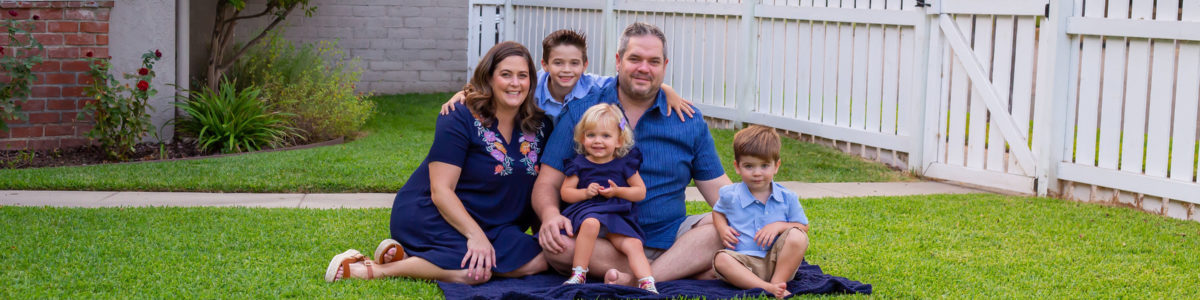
399,137
958,246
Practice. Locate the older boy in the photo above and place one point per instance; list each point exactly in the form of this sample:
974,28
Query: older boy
760,222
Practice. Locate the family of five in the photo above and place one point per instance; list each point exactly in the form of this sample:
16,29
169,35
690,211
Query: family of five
596,167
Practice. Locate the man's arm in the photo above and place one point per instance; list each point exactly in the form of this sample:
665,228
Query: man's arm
545,204
710,189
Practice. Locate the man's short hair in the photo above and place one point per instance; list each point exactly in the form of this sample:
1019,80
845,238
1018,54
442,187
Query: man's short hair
563,37
641,29
757,141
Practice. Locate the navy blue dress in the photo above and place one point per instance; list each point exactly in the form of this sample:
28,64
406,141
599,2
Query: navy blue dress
616,215
495,187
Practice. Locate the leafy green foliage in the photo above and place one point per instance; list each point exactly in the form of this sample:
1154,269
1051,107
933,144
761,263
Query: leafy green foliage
312,82
25,53
121,111
229,120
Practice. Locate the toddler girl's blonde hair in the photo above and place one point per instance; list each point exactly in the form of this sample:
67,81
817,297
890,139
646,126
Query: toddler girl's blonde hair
610,114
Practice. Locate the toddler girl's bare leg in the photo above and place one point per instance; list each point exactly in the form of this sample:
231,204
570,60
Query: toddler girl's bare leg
632,248
790,255
585,241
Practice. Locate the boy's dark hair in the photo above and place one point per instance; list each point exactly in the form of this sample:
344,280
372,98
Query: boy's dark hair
563,37
757,141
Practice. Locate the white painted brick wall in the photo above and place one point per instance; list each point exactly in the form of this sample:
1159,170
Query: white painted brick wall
410,46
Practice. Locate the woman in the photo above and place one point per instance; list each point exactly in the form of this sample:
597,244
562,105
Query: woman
464,212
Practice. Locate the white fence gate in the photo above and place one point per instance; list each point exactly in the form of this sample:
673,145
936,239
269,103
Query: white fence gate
1093,100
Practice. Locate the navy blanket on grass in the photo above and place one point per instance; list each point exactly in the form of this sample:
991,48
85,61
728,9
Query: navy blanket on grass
809,280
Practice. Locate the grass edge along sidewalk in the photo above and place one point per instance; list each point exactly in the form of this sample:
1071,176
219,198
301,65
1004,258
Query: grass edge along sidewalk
399,137
969,246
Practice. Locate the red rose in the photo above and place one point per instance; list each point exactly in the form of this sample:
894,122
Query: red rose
36,17
12,12
143,71
89,54
143,85
1,50
157,53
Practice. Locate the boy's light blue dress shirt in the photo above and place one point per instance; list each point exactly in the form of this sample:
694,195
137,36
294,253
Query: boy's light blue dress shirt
553,108
747,215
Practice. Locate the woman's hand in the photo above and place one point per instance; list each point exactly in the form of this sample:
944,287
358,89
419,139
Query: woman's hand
449,106
593,189
480,258
729,237
610,191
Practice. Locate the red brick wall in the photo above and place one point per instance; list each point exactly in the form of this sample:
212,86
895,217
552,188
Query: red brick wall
69,30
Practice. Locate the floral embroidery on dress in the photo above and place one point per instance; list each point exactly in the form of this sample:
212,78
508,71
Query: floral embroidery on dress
529,148
495,148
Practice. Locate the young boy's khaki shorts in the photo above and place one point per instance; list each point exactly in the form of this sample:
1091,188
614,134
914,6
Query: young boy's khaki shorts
763,267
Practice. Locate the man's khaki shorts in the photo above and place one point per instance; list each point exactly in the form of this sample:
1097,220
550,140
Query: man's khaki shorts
763,267
688,224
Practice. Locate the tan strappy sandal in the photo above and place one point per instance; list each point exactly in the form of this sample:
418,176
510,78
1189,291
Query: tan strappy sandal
383,248
342,262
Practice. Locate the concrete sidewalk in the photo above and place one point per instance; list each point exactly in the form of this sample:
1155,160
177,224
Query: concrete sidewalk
384,200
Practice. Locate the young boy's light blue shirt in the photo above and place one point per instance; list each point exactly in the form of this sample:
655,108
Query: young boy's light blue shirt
747,215
582,88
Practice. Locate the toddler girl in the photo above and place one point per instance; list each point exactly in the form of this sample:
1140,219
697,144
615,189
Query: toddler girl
602,183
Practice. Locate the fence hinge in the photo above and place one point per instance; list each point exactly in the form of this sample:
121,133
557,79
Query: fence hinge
923,3
1035,185
1047,10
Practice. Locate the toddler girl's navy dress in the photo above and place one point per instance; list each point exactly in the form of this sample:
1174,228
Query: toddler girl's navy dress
616,215
495,186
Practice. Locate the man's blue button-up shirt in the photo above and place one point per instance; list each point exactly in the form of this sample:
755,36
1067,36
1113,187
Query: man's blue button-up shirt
673,154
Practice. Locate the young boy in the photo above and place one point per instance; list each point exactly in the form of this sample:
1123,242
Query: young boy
562,77
760,222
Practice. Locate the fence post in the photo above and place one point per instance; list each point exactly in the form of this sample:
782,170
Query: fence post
508,30
1051,97
925,84
608,52
748,77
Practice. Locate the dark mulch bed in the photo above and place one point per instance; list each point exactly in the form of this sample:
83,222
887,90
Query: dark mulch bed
93,155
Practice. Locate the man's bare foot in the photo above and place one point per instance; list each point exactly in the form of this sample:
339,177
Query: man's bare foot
779,290
617,277
460,276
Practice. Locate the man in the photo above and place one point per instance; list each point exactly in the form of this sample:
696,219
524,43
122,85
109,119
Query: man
674,154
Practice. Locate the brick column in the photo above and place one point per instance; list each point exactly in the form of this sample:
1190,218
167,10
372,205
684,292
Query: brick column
70,31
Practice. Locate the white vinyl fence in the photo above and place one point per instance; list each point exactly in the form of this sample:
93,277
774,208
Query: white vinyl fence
1089,100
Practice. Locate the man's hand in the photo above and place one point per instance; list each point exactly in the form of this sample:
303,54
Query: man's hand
766,236
729,237
549,235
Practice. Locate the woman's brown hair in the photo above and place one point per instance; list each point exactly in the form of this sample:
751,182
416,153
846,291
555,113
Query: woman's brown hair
479,90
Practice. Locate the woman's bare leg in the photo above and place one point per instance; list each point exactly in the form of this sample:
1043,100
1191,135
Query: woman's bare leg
534,266
417,268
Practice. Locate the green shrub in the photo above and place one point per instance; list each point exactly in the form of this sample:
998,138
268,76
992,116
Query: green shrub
121,111
312,82
17,59
231,121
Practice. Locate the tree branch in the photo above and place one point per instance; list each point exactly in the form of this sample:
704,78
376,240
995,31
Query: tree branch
239,52
269,8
